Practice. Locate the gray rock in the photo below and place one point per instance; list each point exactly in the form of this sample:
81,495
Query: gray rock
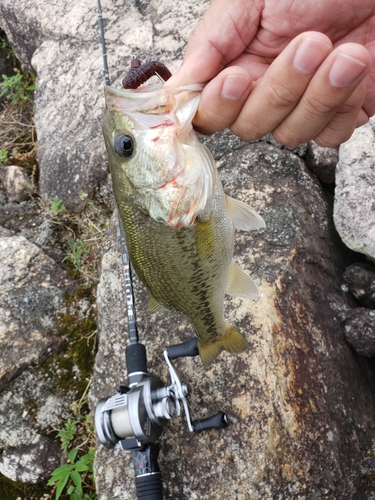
33,463
289,414
32,296
17,184
360,331
360,279
322,161
368,466
354,207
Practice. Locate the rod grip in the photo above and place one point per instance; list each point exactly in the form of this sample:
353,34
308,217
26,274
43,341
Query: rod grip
149,486
136,359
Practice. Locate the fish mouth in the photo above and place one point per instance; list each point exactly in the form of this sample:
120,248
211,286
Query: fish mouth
150,90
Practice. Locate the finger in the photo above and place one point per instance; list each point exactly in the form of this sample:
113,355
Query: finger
222,100
342,125
279,91
222,35
329,90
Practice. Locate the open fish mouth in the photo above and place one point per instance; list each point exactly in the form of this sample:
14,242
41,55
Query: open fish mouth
178,183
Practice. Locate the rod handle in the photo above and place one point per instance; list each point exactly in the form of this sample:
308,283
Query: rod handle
149,486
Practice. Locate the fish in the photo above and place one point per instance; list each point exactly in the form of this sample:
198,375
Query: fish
178,223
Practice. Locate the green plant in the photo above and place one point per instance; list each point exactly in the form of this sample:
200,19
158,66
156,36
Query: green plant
67,434
77,250
71,475
76,477
17,88
4,45
57,206
3,155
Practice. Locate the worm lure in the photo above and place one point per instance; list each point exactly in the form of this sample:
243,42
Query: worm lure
140,73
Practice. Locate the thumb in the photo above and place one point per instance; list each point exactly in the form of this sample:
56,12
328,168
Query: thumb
224,32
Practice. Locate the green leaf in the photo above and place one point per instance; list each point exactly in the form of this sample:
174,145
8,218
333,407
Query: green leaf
60,473
77,480
61,486
57,206
81,467
72,454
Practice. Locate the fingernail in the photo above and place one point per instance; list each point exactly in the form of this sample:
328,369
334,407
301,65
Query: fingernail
234,87
345,70
310,54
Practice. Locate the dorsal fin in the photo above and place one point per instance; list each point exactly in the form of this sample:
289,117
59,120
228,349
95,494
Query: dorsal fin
243,217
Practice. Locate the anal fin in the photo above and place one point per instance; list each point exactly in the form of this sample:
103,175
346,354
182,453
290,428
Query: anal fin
232,341
240,284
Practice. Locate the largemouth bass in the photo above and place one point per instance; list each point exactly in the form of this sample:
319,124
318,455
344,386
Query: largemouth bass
179,225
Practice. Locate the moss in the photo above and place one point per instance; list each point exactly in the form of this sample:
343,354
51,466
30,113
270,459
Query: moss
10,490
80,347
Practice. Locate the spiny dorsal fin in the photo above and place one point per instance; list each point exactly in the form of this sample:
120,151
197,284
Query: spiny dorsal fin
240,284
243,217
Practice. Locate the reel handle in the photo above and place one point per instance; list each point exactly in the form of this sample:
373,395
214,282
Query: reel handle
218,421
183,350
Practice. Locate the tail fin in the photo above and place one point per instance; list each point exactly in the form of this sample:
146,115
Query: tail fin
231,341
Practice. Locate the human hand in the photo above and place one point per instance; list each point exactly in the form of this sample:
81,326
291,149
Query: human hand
300,69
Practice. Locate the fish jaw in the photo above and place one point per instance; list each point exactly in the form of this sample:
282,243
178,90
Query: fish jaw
171,172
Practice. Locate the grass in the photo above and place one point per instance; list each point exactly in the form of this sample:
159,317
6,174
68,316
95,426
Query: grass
75,478
81,237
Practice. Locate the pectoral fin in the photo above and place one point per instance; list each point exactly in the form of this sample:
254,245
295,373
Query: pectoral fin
240,284
153,306
205,238
243,217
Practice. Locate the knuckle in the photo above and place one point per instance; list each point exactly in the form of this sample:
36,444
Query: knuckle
287,137
318,106
331,137
280,96
246,131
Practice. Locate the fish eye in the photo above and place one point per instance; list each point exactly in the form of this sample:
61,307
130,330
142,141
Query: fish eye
124,145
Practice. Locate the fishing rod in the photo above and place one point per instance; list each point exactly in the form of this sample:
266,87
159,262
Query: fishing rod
134,417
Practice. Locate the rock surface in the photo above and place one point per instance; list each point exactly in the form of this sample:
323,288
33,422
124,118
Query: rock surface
16,182
360,331
32,295
322,161
360,279
302,429
354,208
33,463
60,41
